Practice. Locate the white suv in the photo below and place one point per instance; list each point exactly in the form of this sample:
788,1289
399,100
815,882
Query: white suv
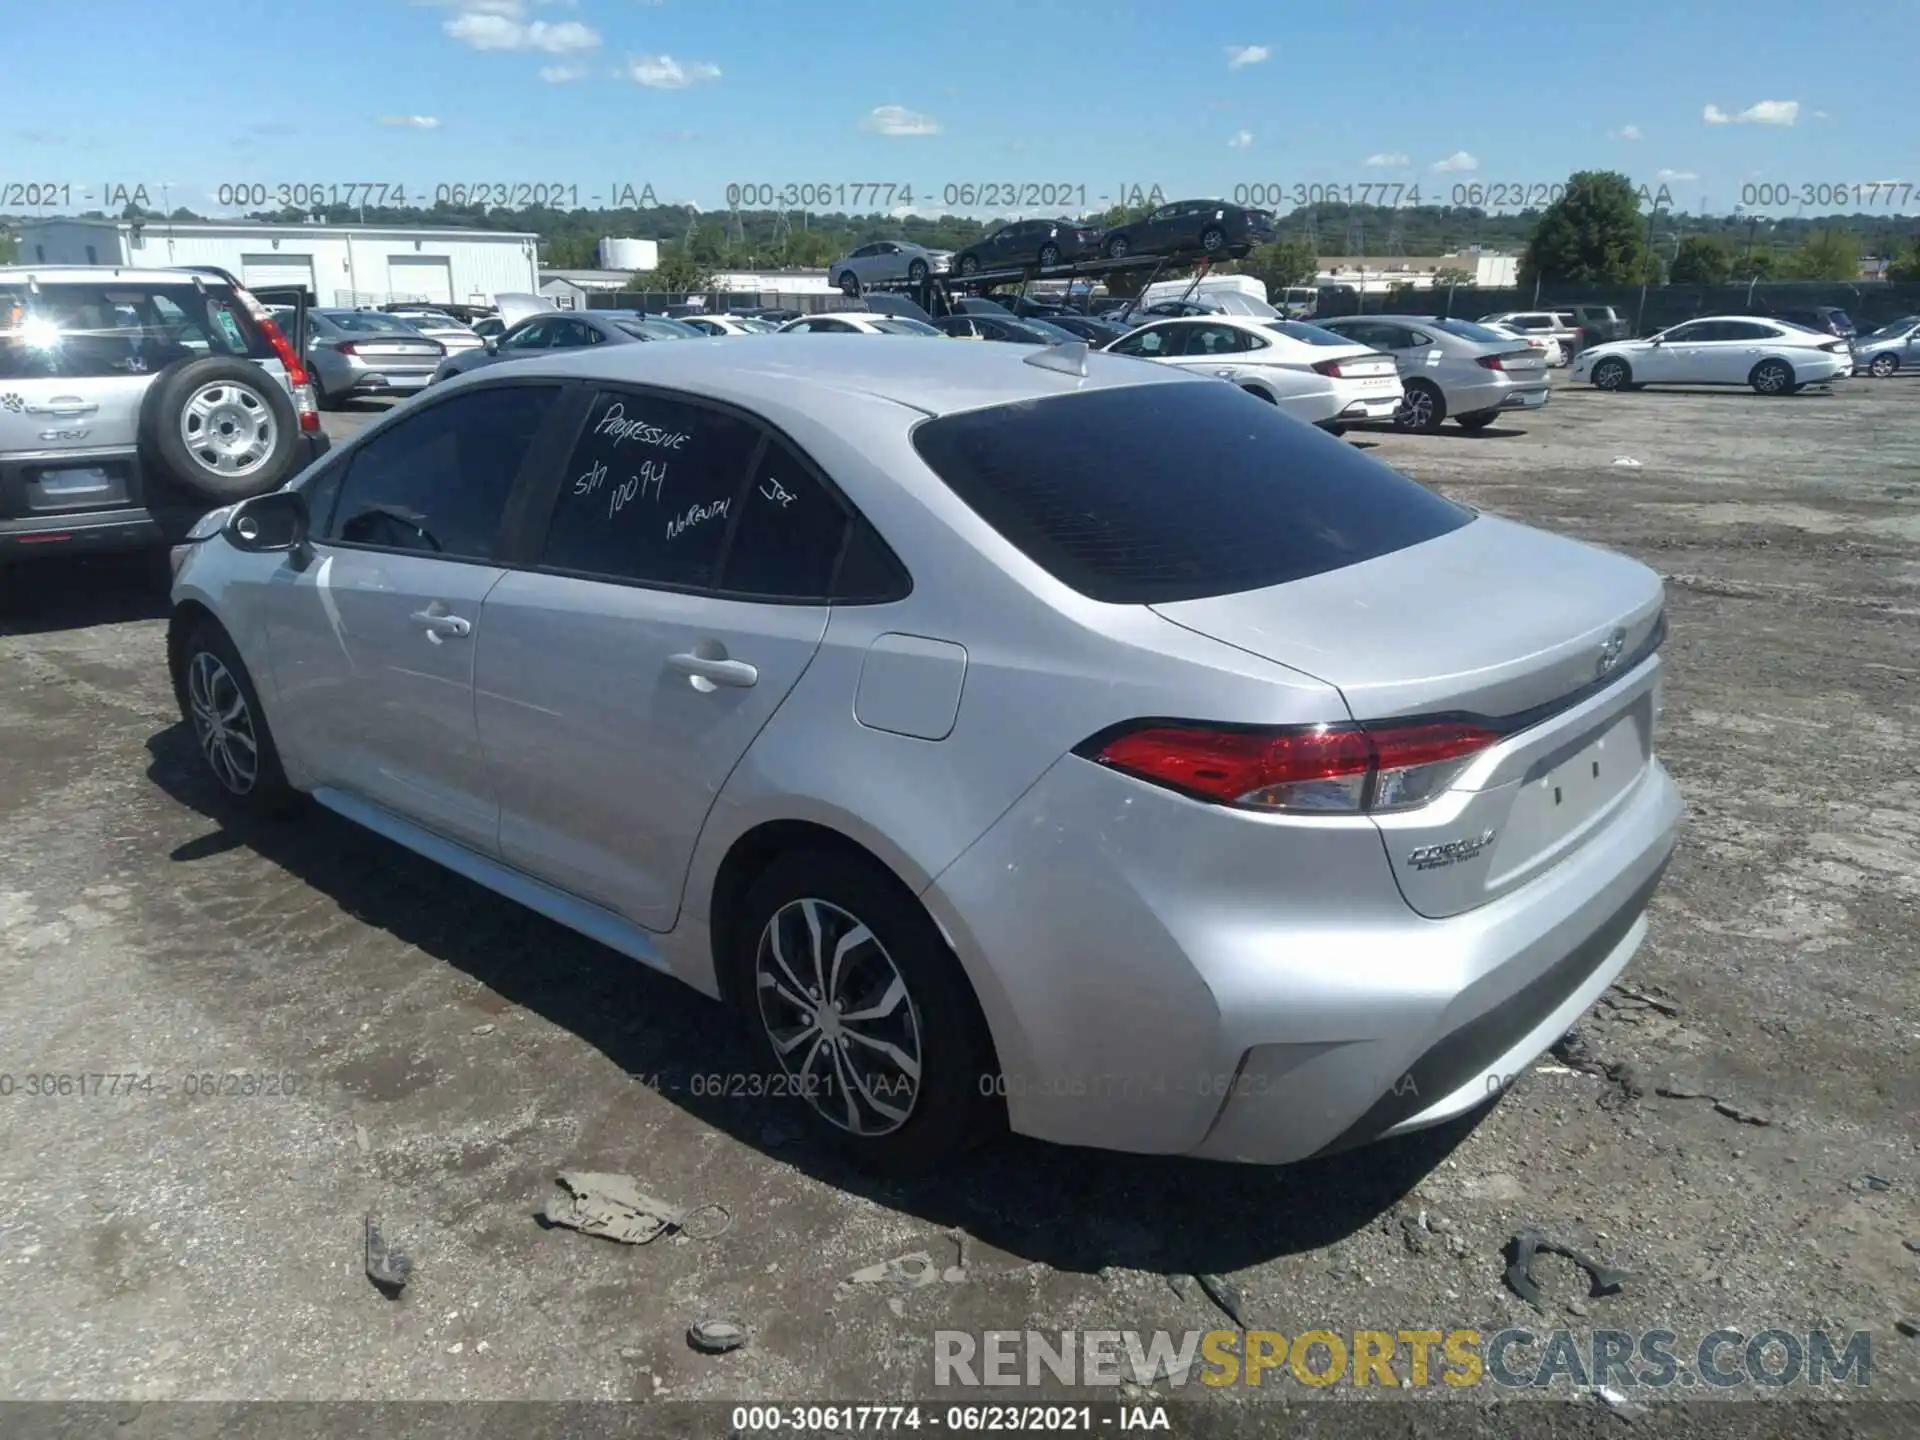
134,401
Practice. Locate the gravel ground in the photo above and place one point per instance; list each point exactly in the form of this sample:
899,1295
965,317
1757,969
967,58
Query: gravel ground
450,1053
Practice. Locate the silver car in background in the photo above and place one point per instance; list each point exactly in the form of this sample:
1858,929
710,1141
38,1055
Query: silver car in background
1011,736
366,352
1892,348
565,330
455,335
887,260
1452,368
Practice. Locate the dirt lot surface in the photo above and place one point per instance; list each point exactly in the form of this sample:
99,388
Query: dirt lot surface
450,1053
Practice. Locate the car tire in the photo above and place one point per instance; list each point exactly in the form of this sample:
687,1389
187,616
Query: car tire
1422,409
222,709
850,284
1213,239
1478,421
321,399
969,264
1883,365
917,272
1611,374
1116,248
1772,377
197,411
1049,255
810,900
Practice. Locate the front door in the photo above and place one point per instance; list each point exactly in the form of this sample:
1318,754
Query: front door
373,637
625,673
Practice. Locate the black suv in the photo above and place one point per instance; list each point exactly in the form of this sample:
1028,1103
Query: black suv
1206,227
1827,319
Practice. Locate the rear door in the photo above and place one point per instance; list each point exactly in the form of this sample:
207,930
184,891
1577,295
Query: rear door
626,670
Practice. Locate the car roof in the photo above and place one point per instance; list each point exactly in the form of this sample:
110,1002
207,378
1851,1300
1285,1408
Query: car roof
783,371
69,274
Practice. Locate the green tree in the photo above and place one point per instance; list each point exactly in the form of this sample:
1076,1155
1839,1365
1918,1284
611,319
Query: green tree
1756,265
1701,260
680,273
1283,263
1906,265
570,250
1594,234
1453,275
1824,255
9,247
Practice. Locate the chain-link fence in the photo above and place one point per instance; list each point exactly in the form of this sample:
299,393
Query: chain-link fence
1645,308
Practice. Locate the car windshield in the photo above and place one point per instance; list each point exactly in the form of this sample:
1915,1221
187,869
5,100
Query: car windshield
1097,488
1308,334
758,327
1894,328
658,329
370,322
58,330
1467,330
900,325
1054,334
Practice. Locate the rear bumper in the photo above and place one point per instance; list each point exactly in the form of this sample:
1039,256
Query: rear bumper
1258,991
1531,397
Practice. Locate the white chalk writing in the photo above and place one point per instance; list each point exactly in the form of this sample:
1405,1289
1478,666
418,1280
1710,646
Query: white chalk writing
616,424
777,493
651,476
591,481
695,515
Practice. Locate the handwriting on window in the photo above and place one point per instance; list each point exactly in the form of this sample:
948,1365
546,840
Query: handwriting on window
695,515
777,493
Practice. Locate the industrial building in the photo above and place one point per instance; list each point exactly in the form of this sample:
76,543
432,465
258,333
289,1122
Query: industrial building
335,264
1490,269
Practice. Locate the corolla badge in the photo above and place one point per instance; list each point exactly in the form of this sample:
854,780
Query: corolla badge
1434,857
1610,652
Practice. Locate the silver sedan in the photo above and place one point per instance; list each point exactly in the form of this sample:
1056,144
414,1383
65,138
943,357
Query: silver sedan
1452,368
1890,349
367,352
886,260
1008,736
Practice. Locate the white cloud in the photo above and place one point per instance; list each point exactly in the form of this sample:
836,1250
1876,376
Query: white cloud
562,74
1763,112
1241,141
1458,160
898,120
1238,55
417,122
1386,162
663,72
1667,177
1625,132
499,25
1821,115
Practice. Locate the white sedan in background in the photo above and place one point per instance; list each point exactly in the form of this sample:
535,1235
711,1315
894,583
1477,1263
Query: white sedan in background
1543,328
858,322
1313,374
1773,356
728,324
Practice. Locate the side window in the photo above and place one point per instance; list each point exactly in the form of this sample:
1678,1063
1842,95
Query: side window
788,538
571,335
438,481
649,491
1154,344
1682,333
535,335
1216,340
829,327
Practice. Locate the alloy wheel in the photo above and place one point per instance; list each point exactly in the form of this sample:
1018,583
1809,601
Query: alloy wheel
229,428
223,723
840,1018
1884,365
1416,410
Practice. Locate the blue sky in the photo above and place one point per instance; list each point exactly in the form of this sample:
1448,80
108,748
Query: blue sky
685,97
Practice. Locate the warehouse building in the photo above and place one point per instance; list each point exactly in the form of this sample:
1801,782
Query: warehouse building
335,264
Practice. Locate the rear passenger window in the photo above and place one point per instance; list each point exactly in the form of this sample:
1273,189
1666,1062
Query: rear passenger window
438,481
788,538
649,492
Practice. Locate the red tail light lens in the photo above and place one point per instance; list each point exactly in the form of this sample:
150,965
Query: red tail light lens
347,347
1493,362
1322,769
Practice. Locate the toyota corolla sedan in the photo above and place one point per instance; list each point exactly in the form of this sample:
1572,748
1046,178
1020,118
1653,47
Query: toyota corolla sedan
1011,736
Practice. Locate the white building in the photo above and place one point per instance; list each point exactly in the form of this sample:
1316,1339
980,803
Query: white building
629,255
336,264
1490,269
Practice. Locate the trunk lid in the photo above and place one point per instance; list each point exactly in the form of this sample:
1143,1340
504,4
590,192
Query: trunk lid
1552,639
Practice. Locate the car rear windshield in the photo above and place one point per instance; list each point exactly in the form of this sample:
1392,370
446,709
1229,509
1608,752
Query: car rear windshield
372,322
1147,494
61,331
1309,334
657,329
900,325
1467,330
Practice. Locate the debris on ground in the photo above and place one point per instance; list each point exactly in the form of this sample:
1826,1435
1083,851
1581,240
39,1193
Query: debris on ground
1908,1327
1870,1182
1638,999
1732,1109
716,1336
1181,1285
1913,1245
1576,1052
1225,1294
1625,462
388,1268
1619,1403
1530,1242
1414,1231
956,1273
616,1208
903,1272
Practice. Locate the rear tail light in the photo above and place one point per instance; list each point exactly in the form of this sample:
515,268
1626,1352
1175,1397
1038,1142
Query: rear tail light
1838,347
348,347
1322,769
1498,362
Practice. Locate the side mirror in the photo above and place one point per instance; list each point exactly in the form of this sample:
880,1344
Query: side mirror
267,523
492,343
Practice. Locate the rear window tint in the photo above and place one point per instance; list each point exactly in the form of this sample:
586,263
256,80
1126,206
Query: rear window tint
1148,494
90,330
1467,330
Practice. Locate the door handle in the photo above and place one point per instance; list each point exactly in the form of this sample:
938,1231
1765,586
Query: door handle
1227,374
63,406
439,626
736,673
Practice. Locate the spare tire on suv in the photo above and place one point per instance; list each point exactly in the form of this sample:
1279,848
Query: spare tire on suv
219,428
